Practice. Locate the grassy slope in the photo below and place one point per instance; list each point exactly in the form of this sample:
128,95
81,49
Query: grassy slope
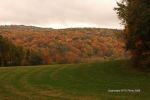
73,82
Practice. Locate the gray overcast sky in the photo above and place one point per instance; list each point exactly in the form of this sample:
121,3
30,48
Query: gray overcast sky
59,13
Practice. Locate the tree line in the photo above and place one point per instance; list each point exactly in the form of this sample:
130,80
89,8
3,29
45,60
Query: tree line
63,46
13,55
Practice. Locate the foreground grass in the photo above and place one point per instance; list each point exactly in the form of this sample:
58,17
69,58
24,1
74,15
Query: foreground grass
73,82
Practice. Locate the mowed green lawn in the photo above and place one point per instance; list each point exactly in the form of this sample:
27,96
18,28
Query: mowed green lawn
73,82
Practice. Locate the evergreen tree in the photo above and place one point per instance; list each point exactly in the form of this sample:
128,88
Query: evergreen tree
135,15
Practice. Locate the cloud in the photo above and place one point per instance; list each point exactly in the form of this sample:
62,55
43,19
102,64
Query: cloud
59,13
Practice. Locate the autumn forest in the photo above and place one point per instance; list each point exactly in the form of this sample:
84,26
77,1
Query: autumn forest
35,45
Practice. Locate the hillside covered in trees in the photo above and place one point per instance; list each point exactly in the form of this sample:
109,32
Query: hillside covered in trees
60,46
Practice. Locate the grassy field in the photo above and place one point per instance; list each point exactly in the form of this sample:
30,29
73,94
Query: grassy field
73,82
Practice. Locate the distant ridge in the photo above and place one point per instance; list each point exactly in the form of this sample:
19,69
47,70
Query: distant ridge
70,45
